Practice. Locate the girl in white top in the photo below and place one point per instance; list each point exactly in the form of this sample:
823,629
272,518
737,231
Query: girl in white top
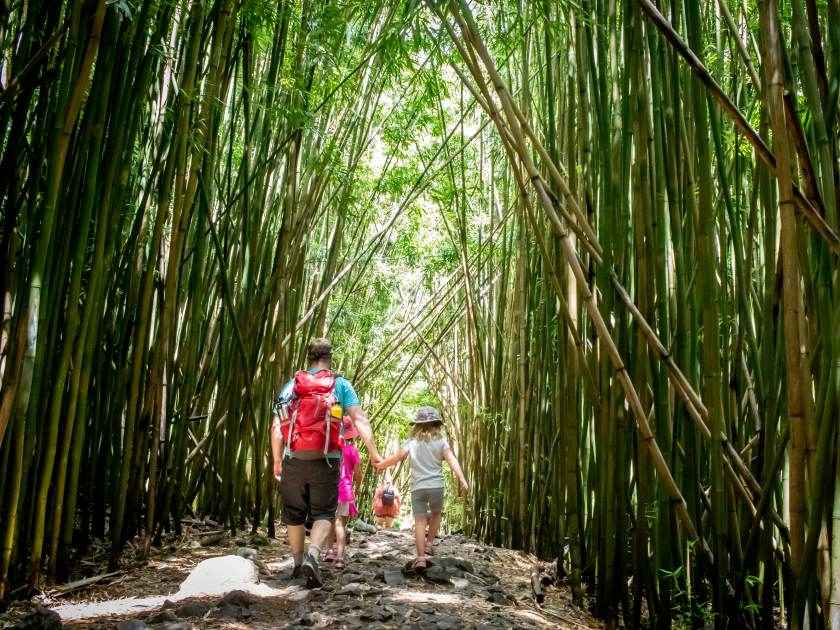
427,448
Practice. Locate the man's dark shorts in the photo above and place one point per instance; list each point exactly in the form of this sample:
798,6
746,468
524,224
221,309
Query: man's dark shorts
309,487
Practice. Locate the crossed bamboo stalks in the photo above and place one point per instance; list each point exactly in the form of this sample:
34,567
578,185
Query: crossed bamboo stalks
514,128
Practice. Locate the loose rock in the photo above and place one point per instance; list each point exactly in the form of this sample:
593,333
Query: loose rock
247,553
393,577
497,598
212,539
459,583
231,611
361,526
237,598
192,610
374,592
437,574
376,613
40,619
300,596
447,622
354,587
162,616
216,576
455,563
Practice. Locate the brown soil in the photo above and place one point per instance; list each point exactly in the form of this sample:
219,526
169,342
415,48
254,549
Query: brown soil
493,592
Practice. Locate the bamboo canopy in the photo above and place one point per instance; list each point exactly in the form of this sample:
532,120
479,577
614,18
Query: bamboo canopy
603,237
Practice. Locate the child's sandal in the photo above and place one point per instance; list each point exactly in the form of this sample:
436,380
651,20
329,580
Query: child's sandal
338,564
419,564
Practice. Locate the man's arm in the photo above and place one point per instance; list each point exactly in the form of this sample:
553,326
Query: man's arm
362,424
277,446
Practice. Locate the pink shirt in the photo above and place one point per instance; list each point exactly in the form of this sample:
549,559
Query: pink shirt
350,459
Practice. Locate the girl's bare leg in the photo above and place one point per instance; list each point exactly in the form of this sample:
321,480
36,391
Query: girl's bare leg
434,526
340,536
420,535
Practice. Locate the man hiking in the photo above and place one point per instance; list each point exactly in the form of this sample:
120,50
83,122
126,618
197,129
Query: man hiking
306,441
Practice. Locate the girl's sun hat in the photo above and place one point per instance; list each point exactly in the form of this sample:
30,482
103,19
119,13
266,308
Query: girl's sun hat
426,415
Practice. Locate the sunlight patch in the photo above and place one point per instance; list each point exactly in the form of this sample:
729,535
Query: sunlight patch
124,606
420,597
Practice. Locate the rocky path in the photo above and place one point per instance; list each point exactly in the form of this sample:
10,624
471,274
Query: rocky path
246,583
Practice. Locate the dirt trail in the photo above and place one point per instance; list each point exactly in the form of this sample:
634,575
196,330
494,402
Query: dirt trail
470,585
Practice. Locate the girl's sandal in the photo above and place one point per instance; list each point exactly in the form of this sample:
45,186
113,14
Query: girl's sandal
419,564
330,556
338,564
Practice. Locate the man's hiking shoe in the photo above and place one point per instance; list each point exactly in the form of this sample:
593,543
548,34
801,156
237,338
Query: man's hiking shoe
294,574
311,571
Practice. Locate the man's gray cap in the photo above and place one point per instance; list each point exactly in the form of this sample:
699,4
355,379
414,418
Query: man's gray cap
426,414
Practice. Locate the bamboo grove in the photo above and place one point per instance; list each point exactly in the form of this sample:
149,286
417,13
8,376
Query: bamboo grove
601,235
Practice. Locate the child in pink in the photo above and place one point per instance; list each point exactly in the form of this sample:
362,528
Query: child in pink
350,470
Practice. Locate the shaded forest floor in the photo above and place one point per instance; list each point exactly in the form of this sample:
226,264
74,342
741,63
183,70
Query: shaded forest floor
471,585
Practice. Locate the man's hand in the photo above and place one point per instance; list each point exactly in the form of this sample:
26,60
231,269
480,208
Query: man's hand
278,469
362,424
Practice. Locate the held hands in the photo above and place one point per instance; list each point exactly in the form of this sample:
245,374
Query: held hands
464,488
373,453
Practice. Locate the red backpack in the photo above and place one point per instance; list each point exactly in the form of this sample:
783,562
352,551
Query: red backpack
310,424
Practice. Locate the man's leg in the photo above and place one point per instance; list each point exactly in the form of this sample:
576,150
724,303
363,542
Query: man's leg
293,495
297,538
323,500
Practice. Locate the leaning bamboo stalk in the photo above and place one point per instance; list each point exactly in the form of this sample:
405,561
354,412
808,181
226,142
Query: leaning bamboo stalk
694,404
467,25
739,44
813,215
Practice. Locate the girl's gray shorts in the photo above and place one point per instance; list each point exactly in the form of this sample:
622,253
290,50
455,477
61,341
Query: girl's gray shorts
427,501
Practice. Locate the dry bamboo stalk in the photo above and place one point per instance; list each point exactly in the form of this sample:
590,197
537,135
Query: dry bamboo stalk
466,25
813,215
791,294
694,404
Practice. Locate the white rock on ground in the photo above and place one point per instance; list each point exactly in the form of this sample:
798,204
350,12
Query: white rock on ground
217,576
214,576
